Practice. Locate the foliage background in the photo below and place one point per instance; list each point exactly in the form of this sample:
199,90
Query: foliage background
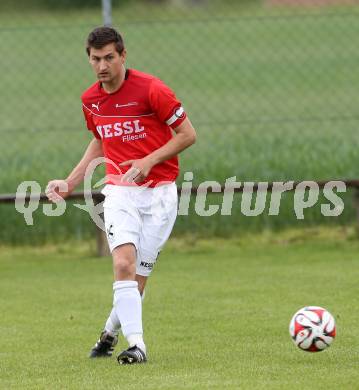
271,90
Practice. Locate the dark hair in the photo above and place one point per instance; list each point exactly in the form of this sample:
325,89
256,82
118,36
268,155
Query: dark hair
102,36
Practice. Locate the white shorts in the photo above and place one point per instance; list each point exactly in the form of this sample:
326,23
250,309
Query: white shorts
141,216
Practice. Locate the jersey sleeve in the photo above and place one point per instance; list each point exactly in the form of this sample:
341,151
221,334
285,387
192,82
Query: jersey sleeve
89,122
165,104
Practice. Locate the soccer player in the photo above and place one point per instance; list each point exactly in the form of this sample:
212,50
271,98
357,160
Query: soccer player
140,127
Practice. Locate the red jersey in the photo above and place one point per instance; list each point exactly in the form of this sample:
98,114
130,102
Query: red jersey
133,122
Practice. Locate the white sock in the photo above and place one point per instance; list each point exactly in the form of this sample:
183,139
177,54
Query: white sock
113,324
128,307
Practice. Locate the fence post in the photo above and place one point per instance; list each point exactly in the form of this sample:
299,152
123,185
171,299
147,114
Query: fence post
356,206
101,243
102,248
107,12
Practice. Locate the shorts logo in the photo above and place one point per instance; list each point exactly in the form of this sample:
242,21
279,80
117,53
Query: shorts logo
146,265
110,233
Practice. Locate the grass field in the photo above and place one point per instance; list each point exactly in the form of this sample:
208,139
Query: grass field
216,315
272,92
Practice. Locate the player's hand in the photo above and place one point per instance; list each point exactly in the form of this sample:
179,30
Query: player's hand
57,190
138,171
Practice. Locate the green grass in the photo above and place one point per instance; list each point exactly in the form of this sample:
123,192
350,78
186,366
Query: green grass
216,314
271,91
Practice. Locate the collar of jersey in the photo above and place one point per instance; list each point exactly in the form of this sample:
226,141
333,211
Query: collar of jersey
103,92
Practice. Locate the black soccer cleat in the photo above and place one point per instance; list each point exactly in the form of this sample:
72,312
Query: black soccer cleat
104,346
132,355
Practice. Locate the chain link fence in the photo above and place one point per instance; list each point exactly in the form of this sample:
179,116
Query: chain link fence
271,86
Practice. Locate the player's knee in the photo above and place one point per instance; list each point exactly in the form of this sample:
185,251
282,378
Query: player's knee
124,263
124,266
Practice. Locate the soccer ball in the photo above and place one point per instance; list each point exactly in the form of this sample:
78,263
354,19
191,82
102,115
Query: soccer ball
312,328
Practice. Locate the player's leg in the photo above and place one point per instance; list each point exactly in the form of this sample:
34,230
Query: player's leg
141,280
154,233
136,353
127,298
123,226
104,347
113,324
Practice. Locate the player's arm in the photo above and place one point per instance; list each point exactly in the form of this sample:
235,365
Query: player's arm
57,189
185,137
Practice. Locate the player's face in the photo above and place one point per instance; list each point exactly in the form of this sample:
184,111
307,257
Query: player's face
107,63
